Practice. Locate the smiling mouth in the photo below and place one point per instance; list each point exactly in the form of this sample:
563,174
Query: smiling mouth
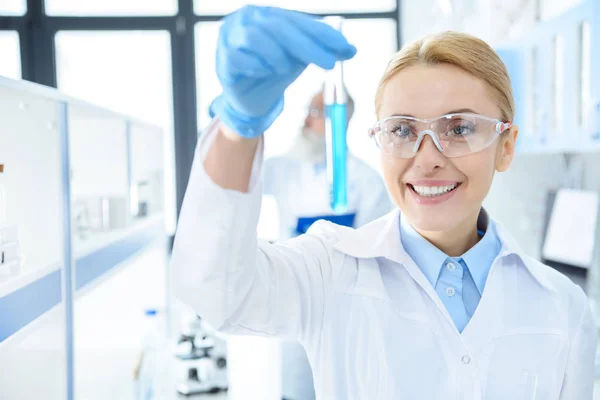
433,191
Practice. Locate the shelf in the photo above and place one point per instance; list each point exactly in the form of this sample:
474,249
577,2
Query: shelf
95,242
107,251
34,291
26,276
31,295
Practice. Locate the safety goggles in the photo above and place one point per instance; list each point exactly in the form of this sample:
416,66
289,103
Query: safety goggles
454,135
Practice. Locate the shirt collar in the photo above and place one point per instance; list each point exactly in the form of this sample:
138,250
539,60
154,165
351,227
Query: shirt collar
430,259
479,258
381,238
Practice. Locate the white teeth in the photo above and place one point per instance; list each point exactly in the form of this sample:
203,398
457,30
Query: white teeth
431,191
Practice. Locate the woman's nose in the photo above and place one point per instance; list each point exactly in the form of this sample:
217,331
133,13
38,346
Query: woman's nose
428,156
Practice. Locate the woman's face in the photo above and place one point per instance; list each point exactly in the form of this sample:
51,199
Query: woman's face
429,91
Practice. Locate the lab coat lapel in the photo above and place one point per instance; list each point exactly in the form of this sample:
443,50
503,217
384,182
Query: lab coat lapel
499,296
511,246
366,244
381,239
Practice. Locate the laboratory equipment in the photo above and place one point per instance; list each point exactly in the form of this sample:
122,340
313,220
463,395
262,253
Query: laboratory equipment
8,233
100,214
81,218
146,195
203,361
336,121
9,258
115,213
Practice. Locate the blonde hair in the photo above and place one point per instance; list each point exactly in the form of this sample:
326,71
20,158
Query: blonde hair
464,51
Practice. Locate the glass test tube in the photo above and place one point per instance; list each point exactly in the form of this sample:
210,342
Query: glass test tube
336,121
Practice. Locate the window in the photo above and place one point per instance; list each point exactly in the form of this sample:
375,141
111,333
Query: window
129,72
10,55
111,7
204,7
13,7
125,71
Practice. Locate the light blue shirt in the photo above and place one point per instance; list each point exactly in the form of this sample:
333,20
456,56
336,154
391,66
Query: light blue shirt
459,281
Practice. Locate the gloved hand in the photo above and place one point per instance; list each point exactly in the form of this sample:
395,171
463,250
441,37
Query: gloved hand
261,51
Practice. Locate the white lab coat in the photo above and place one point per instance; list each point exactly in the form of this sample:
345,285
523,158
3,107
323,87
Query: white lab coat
301,189
372,324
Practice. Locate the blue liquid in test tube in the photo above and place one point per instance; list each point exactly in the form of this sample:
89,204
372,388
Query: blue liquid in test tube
336,98
338,116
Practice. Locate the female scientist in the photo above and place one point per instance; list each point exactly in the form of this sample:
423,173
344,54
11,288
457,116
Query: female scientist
434,300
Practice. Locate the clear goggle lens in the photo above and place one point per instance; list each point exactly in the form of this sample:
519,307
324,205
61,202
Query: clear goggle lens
454,135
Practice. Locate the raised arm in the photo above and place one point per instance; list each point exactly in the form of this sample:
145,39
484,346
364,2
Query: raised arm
233,280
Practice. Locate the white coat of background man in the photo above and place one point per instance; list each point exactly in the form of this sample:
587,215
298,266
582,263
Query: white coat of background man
298,181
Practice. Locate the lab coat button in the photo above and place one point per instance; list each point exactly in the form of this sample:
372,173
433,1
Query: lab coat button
466,359
450,292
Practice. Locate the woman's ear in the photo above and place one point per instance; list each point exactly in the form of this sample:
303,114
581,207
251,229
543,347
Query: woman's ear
506,149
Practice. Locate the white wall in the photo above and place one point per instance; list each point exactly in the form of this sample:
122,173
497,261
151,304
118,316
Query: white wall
491,20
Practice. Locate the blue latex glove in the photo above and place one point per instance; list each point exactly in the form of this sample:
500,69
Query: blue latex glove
260,52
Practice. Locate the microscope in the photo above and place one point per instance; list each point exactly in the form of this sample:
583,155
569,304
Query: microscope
204,361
